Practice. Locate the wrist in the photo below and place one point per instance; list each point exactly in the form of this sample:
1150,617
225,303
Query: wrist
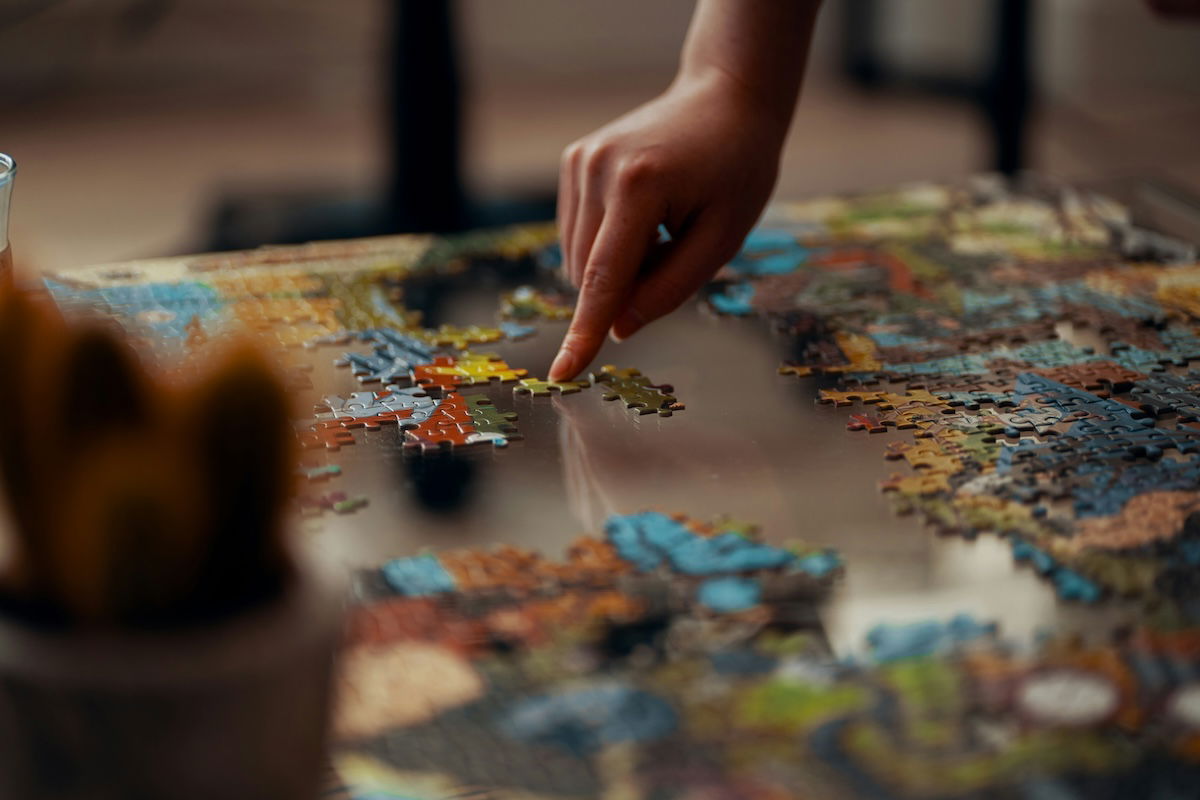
768,110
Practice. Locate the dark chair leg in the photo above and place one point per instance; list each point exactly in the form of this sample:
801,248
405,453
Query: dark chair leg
860,55
1008,94
425,190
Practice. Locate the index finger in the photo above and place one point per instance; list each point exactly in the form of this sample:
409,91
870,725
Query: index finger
621,244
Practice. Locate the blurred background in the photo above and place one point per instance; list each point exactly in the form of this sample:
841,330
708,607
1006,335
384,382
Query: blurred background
156,127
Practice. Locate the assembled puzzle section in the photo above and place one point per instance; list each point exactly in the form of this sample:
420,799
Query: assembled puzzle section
670,658
939,311
509,671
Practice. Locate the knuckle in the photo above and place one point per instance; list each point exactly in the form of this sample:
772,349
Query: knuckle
576,342
596,159
637,171
596,281
572,154
600,151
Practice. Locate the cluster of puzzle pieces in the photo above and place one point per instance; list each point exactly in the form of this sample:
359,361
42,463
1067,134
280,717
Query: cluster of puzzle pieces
433,409
1027,353
426,377
431,383
717,560
527,303
608,672
428,422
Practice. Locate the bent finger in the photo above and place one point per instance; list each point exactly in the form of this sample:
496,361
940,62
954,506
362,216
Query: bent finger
621,245
589,212
568,199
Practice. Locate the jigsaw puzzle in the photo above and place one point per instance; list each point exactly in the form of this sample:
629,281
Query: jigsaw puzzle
670,659
1025,361
342,295
1035,345
536,658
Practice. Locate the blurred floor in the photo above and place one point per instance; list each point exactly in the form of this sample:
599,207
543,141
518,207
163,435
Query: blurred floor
98,184
112,172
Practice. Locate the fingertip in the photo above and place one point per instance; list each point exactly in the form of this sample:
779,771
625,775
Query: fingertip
563,368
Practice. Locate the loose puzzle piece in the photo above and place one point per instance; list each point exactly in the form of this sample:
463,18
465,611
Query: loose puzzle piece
527,303
338,502
516,332
320,473
540,388
636,392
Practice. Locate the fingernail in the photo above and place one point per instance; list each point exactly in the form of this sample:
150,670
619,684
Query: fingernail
562,368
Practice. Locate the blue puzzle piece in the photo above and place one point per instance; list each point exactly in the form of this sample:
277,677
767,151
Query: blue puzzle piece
650,539
891,642
418,576
516,331
734,300
1073,586
818,564
395,355
728,595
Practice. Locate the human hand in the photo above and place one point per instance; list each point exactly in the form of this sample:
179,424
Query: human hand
701,159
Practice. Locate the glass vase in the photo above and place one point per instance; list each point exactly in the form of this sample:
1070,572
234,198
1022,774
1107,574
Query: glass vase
8,171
